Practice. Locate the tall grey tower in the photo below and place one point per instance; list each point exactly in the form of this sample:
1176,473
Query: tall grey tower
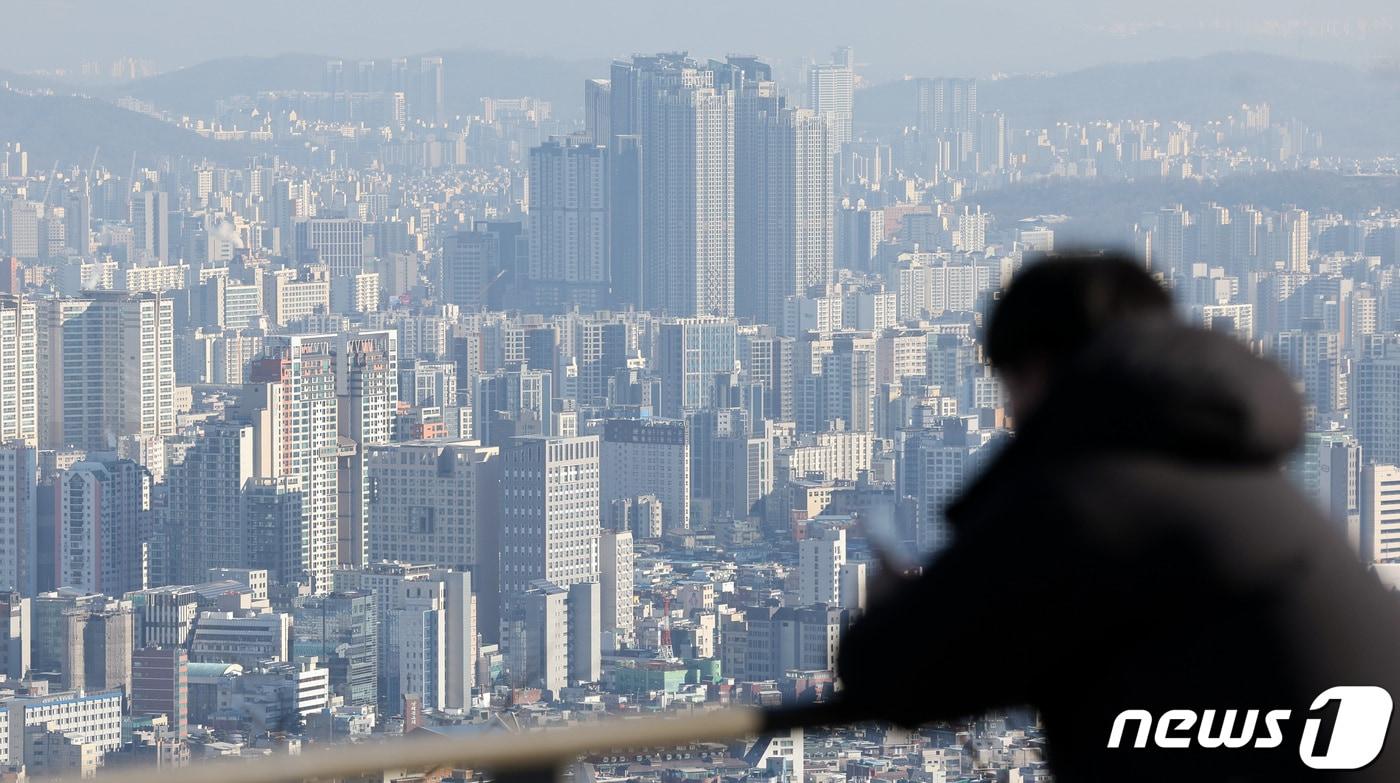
831,91
683,122
783,199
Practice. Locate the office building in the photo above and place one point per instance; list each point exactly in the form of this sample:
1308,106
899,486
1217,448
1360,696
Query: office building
335,243
690,353
648,456
550,513
438,502
160,686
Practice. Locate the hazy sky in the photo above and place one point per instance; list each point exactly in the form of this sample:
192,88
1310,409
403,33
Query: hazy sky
974,37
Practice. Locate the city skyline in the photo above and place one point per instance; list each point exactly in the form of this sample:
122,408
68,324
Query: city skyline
382,392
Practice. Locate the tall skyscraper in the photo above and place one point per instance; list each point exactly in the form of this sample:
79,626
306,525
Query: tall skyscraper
19,379
471,262
366,380
684,122
103,526
831,89
432,91
19,521
150,226
550,513
568,226
783,202
107,369
691,351
295,386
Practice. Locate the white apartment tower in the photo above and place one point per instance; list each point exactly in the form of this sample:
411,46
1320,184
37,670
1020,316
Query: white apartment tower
107,369
820,560
19,379
831,90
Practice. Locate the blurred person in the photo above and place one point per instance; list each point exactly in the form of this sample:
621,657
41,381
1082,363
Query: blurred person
1136,547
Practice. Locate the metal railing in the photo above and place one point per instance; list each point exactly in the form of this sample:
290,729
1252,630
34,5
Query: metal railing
533,755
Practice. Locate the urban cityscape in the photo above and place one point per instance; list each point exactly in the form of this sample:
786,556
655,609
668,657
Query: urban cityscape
341,403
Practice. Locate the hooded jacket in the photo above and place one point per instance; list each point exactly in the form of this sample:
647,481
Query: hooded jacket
1137,547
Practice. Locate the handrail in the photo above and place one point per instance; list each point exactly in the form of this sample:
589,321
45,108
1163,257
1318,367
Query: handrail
516,752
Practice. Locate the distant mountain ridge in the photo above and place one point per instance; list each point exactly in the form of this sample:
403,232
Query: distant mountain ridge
1355,110
471,75
67,128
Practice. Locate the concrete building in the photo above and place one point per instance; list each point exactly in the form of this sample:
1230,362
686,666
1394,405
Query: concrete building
438,502
160,685
616,593
19,510
103,526
550,513
241,636
19,371
107,368
820,559
648,456
568,226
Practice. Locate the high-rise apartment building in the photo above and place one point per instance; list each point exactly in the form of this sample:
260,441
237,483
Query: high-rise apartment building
150,226
19,378
783,200
366,380
205,516
682,117
19,520
295,388
945,104
568,226
103,526
107,369
831,91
